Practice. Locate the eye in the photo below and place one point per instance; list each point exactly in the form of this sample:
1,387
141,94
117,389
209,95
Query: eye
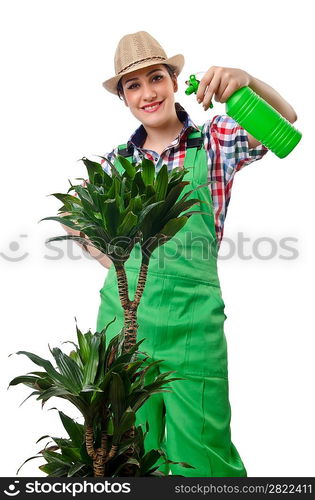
132,86
159,77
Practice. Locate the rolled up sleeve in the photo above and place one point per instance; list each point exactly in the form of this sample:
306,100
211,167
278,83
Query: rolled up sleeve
233,143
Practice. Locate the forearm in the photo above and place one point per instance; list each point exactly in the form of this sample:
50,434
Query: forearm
273,98
99,256
94,252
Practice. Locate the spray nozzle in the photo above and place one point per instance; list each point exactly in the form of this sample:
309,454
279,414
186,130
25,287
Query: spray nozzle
193,85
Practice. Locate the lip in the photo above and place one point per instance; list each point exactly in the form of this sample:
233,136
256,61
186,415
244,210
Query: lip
152,104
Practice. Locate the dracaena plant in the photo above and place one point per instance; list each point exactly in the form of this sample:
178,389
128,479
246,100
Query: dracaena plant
114,213
68,457
119,210
107,388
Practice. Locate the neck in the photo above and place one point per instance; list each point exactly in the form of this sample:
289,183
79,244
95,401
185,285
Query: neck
160,137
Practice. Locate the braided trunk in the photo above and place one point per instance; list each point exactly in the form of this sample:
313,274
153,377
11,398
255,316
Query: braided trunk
100,456
130,307
130,332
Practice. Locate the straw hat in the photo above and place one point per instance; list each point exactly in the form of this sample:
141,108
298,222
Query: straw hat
139,50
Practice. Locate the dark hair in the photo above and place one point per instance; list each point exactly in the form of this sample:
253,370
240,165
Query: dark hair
171,72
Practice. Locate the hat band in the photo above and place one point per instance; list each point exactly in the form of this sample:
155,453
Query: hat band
141,60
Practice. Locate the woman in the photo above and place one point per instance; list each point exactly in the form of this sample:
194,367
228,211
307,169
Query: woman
181,314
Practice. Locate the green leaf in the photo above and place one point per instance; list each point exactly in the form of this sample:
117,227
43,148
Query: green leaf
183,464
117,397
150,193
180,207
111,214
138,186
84,349
167,232
24,379
127,421
188,214
161,183
91,367
76,357
54,469
186,195
73,377
44,363
31,458
63,220
75,431
110,427
149,460
132,461
34,393
171,198
128,223
73,454
102,352
91,388
144,213
85,197
68,199
93,168
129,168
54,391
79,239
56,458
101,397
95,194
148,171
42,437
75,468
114,170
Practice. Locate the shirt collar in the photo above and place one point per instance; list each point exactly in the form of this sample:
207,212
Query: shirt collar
138,137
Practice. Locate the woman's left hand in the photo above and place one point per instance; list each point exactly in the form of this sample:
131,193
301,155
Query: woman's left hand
221,82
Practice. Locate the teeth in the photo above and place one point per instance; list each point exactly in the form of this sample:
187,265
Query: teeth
151,107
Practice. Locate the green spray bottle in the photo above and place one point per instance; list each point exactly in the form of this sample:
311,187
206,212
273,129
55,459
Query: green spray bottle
258,118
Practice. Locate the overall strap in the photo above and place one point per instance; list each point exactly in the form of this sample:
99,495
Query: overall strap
194,143
126,151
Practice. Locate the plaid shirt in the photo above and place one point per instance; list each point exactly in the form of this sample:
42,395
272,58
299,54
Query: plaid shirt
226,145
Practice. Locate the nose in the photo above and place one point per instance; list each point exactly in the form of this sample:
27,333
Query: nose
149,93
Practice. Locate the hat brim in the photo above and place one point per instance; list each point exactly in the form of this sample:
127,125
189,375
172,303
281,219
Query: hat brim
177,61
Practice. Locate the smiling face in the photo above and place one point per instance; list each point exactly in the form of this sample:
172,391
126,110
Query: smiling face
149,93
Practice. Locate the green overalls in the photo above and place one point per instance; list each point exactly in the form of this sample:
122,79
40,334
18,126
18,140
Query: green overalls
181,316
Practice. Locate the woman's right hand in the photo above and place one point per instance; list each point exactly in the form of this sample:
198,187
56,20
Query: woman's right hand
102,258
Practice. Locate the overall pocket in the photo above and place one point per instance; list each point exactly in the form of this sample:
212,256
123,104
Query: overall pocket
206,348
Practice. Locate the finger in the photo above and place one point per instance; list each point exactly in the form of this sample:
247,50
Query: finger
212,89
204,82
230,89
223,85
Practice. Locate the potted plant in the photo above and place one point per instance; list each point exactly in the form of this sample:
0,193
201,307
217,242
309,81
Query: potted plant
108,385
107,388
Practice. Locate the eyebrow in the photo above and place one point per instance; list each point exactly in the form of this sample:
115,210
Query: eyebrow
150,72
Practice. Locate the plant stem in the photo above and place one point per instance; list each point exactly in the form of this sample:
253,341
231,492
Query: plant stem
130,328
122,286
130,323
98,455
130,307
141,284
89,441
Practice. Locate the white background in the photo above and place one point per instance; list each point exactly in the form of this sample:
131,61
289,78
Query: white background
54,110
